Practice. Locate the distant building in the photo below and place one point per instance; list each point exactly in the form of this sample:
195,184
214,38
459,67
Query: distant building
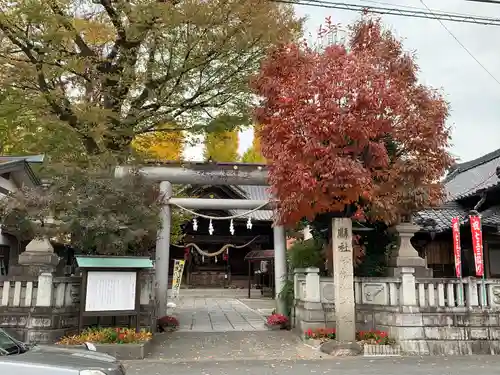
15,173
469,185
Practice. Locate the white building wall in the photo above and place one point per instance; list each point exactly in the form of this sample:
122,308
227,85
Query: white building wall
9,185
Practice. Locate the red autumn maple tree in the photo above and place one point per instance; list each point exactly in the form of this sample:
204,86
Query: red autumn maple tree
349,124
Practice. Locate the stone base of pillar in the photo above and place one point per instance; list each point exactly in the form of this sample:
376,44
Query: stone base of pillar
38,258
36,263
420,271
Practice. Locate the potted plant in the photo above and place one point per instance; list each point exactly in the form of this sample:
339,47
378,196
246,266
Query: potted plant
277,321
167,324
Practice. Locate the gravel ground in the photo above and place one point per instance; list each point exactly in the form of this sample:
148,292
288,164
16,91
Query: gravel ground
483,365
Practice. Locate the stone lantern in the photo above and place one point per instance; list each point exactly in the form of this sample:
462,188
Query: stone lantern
405,255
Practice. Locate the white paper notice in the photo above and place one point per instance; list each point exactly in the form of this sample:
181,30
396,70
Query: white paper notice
110,291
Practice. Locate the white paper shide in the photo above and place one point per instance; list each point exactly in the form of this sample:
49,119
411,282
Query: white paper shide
110,291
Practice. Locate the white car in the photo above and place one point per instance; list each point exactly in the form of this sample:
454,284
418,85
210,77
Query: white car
19,358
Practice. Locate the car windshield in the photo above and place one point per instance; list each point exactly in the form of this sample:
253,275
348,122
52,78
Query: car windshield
8,345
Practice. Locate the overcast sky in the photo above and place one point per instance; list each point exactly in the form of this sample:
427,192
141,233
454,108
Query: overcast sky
473,94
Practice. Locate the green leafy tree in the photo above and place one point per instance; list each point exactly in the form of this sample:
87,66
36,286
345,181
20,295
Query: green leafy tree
24,131
87,207
111,70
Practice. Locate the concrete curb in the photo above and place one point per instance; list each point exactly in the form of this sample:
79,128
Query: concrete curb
369,350
119,351
381,351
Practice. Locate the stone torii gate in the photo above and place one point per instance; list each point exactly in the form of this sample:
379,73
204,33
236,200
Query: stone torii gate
207,174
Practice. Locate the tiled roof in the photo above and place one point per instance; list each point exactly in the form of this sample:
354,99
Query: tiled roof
439,219
7,165
491,216
472,177
258,193
28,158
465,180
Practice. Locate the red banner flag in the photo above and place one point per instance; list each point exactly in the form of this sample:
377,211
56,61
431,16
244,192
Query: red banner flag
457,251
477,243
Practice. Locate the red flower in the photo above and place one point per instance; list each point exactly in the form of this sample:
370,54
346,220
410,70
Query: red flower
277,319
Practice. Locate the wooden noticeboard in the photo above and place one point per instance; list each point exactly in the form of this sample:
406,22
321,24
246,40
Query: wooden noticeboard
111,287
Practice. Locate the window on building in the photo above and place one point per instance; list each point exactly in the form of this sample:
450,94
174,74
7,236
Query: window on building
494,259
4,260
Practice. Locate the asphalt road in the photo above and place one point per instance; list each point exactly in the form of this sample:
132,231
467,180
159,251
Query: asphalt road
471,365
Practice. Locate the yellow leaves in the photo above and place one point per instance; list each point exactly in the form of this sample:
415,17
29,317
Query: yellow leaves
160,145
95,32
254,153
222,146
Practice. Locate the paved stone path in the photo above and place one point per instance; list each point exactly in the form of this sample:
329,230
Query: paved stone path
216,314
175,347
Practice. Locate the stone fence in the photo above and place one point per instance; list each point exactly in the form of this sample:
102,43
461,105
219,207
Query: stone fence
426,316
44,308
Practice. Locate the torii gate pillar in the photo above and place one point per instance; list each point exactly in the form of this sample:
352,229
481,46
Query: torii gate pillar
279,266
162,253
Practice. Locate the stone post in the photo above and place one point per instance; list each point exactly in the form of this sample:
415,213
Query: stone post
343,276
405,255
310,311
45,290
38,258
472,296
297,272
147,300
408,295
313,293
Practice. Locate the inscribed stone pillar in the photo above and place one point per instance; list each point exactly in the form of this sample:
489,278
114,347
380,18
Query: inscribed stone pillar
162,253
343,276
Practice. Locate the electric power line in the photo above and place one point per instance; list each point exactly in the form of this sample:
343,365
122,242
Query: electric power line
435,15
401,6
462,45
485,1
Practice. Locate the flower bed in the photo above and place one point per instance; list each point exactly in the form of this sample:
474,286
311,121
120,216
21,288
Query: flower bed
122,343
107,336
277,321
371,343
321,334
373,337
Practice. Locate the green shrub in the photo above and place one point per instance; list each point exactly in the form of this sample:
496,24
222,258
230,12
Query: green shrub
306,253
